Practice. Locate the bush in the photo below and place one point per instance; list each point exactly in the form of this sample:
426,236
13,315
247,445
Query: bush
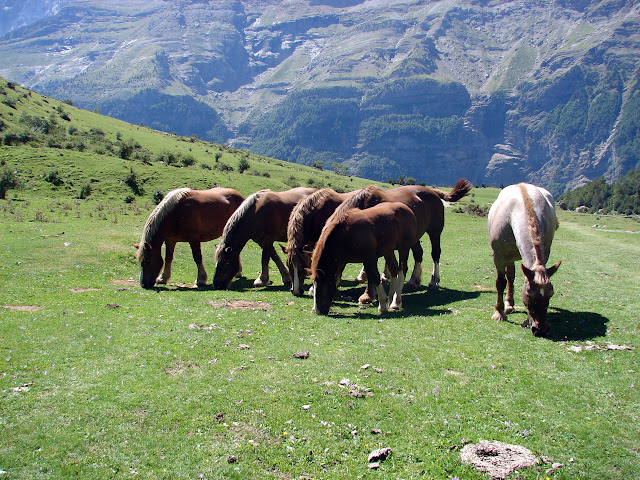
243,165
53,177
8,180
157,197
85,191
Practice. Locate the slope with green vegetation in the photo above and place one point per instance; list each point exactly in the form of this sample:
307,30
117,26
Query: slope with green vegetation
80,154
621,197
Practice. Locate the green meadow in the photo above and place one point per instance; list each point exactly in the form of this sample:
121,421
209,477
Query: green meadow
102,379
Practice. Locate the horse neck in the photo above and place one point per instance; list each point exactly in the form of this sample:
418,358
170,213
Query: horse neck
529,233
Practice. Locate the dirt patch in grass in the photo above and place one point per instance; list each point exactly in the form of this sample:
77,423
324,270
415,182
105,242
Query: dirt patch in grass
241,305
126,283
496,458
82,290
22,308
179,367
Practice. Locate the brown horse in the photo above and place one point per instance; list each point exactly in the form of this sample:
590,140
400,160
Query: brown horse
263,218
522,222
363,236
305,225
426,204
183,215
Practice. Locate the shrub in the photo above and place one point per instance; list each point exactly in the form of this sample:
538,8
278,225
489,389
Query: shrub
157,197
243,165
85,191
53,177
8,180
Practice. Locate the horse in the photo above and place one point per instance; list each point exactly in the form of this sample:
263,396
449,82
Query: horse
426,204
363,236
305,225
522,222
183,215
263,217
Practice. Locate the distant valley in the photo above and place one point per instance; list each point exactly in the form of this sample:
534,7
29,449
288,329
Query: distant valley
496,91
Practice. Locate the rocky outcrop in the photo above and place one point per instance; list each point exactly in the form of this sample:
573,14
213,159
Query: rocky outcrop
498,92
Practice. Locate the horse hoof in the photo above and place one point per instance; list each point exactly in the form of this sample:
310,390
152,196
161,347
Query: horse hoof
383,308
498,317
395,307
364,299
509,309
258,282
434,286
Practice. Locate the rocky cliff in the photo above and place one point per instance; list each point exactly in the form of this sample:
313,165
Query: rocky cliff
497,91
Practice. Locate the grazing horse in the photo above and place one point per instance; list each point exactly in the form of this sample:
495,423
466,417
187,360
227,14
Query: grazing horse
522,222
183,215
305,225
363,236
426,204
263,217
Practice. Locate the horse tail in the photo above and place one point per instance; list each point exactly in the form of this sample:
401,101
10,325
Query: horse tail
461,189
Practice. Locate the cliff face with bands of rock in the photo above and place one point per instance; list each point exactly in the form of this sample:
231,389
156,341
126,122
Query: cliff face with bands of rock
497,91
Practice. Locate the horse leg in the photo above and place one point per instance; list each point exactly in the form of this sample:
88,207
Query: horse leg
501,283
416,276
396,282
435,255
263,279
511,275
403,257
375,283
386,274
362,276
196,253
284,272
168,259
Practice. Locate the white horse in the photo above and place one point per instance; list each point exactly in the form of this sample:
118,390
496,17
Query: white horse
522,222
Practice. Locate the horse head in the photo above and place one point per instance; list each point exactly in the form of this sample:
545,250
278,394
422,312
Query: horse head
324,289
536,293
227,266
151,263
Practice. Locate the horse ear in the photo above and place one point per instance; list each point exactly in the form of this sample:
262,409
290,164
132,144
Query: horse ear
530,274
554,269
284,249
308,270
137,245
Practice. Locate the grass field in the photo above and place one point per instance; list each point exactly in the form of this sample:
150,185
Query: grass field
102,379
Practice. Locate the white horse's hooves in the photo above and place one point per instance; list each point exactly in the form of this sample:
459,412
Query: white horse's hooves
260,283
396,307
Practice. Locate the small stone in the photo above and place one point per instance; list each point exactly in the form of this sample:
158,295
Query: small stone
374,465
379,455
303,354
232,459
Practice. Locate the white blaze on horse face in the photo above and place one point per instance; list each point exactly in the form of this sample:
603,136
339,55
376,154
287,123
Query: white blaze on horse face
315,300
296,281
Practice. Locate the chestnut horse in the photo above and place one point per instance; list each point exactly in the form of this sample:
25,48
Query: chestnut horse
522,222
363,236
263,217
183,215
426,204
305,225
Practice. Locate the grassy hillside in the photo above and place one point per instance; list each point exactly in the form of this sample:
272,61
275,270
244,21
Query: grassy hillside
102,379
71,148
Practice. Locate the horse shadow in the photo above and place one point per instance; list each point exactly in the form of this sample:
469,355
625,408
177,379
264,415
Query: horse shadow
566,325
421,301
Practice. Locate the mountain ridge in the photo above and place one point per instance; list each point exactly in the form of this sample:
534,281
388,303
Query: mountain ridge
509,75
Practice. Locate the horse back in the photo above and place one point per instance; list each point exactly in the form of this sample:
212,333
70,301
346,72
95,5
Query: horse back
202,214
272,212
511,234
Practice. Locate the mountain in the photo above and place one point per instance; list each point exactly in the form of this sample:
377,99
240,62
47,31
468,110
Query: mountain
496,91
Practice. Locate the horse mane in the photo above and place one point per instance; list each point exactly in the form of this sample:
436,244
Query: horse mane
532,222
334,220
158,215
295,230
357,200
235,219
